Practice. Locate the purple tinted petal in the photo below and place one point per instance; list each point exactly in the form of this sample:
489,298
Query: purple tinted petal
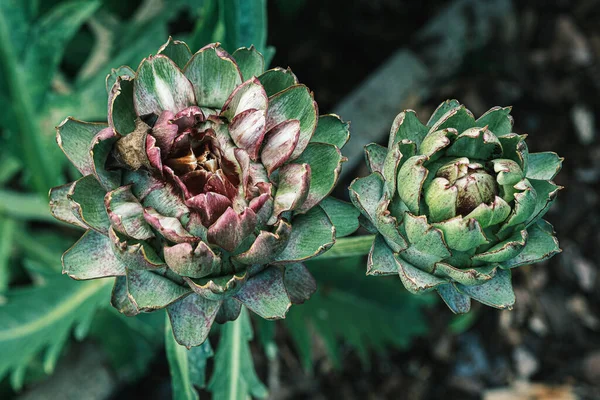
265,294
188,117
229,311
267,245
232,228
195,181
165,131
299,283
247,129
292,190
153,153
186,260
263,207
170,228
249,95
280,142
176,180
209,205
218,183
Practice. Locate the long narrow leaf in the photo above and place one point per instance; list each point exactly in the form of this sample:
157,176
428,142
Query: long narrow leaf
245,24
234,377
26,206
366,314
187,366
38,318
8,226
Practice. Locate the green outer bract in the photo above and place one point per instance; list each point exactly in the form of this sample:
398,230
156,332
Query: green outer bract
202,193
456,204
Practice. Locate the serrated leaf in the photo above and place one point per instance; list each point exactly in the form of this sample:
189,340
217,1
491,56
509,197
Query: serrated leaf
53,310
234,376
130,343
363,312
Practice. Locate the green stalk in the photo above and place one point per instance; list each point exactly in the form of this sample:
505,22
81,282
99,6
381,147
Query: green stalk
349,247
34,155
8,226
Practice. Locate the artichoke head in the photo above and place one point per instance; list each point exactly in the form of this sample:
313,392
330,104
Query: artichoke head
200,193
456,203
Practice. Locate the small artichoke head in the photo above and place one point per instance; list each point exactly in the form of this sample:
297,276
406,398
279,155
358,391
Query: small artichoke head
456,203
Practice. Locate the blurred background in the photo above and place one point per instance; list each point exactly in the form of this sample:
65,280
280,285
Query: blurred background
366,60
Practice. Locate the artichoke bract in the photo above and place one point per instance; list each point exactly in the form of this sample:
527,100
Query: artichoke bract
456,203
201,194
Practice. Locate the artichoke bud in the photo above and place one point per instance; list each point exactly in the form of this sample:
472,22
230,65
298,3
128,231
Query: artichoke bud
474,184
210,201
464,207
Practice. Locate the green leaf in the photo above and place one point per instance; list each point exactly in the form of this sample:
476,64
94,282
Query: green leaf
331,129
160,85
8,227
177,51
122,71
121,111
213,75
541,245
498,120
131,344
325,162
277,79
234,376
458,302
24,113
349,247
26,206
206,25
151,291
187,366
295,102
53,310
363,312
343,215
458,118
312,234
92,257
381,259
375,156
245,24
47,42
441,110
266,336
544,166
87,196
367,195
411,177
9,166
407,126
265,294
192,318
497,292
250,62
75,138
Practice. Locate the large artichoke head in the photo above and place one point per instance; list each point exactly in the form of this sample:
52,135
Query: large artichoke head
201,194
456,203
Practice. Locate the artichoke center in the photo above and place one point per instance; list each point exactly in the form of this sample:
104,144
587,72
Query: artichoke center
474,183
